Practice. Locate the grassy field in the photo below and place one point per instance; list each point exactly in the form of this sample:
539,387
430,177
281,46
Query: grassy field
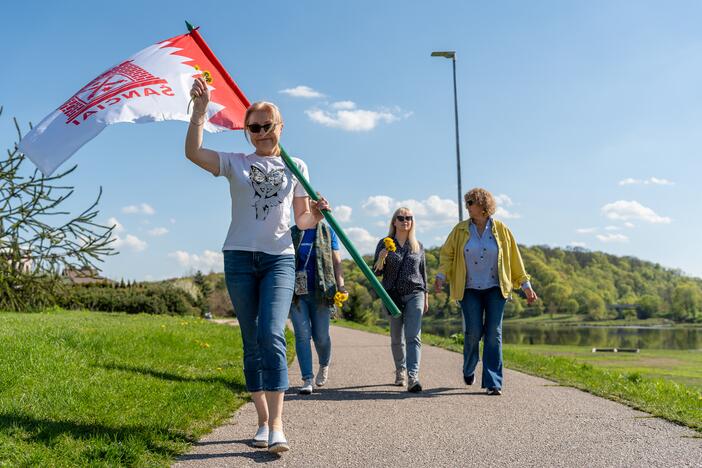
664,383
99,389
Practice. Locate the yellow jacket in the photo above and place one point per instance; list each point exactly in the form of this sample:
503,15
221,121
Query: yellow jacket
509,261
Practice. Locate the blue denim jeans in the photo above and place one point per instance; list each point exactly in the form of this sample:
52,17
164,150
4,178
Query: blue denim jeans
482,318
310,320
406,332
261,287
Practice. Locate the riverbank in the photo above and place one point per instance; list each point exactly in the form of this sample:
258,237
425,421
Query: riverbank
626,383
581,320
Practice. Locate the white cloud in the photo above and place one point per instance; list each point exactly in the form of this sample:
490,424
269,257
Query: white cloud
118,226
432,212
343,213
612,238
159,231
208,261
502,201
503,213
438,241
378,205
345,105
623,210
586,230
302,92
363,240
649,181
173,221
577,244
657,181
143,208
353,120
131,242
612,228
630,225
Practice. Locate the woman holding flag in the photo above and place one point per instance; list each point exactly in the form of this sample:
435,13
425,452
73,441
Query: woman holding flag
259,257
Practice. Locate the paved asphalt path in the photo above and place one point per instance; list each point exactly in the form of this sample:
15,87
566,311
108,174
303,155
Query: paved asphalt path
360,420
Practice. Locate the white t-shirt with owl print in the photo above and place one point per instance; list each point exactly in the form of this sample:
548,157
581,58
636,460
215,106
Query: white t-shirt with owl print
262,190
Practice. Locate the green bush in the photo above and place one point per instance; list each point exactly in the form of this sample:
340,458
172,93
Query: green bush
147,299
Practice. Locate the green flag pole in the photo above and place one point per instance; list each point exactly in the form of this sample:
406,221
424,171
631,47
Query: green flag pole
389,304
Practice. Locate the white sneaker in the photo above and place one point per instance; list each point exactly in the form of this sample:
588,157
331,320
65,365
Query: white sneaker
322,376
260,440
277,443
400,379
306,388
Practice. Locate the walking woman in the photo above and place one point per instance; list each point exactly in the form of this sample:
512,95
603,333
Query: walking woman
481,261
399,258
259,260
318,278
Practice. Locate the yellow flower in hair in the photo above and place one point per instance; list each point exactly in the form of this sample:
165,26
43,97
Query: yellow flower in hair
340,298
389,244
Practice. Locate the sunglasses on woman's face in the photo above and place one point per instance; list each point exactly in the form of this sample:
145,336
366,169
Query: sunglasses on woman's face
255,128
401,218
470,202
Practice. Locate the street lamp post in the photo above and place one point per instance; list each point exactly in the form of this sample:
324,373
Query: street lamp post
450,54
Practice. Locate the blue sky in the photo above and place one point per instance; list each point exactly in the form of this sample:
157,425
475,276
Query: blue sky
582,117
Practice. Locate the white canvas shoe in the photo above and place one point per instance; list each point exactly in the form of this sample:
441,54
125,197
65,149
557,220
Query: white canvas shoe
277,443
306,388
260,440
322,376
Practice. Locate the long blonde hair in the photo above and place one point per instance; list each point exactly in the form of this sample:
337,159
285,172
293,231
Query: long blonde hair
411,238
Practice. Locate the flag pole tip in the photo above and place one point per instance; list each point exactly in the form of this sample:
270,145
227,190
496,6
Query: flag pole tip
189,26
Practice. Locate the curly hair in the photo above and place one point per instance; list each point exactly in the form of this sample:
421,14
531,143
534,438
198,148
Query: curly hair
483,199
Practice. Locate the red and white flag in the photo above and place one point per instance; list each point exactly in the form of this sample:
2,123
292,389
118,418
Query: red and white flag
151,86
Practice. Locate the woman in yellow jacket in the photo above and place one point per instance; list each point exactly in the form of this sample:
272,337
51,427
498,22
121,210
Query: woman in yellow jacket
481,261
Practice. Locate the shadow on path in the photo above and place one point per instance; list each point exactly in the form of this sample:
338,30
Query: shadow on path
392,393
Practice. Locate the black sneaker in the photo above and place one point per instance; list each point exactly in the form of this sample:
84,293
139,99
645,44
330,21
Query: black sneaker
414,386
494,391
469,379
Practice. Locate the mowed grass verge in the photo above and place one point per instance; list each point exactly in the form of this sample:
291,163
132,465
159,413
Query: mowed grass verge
631,383
103,389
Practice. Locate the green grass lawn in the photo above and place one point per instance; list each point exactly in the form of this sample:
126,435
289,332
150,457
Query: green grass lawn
664,383
103,389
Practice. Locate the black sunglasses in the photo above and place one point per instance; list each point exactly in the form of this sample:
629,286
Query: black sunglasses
255,128
470,202
401,218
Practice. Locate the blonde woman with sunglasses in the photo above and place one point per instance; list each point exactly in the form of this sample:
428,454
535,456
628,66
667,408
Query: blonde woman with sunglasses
259,257
403,268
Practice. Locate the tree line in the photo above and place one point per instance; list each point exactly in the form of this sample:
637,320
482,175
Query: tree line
596,285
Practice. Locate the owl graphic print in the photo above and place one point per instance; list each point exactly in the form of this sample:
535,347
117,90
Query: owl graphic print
262,190
267,187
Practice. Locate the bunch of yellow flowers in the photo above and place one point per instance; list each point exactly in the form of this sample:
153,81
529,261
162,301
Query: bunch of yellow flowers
389,244
340,298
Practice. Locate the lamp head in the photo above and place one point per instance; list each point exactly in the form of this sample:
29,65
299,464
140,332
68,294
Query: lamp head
450,54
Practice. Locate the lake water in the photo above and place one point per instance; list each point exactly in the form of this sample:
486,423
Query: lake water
596,337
